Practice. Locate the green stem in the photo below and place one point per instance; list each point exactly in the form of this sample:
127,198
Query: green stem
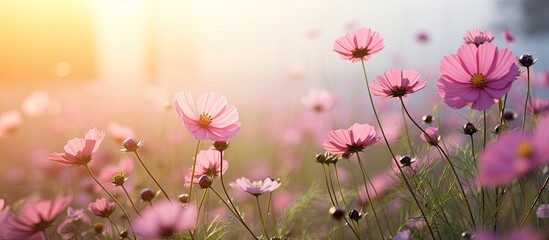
527,97
411,148
328,185
130,198
235,213
378,201
368,194
194,166
154,179
339,186
113,198
481,187
200,204
535,201
261,216
114,226
332,184
393,154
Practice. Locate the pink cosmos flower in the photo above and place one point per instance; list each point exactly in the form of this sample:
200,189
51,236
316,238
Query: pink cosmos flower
120,132
209,118
508,37
403,235
118,175
538,106
319,100
474,75
255,188
36,104
208,162
359,45
432,132
35,218
351,140
397,83
543,211
165,220
478,37
73,224
10,121
102,208
80,151
4,212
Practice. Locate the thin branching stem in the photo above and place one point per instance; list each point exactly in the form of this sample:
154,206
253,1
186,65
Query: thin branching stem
261,217
368,194
527,97
194,168
328,185
154,179
535,201
235,213
339,186
130,198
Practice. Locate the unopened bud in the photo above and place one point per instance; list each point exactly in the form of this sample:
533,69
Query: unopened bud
204,181
131,144
183,198
337,212
469,128
428,119
526,60
220,145
147,194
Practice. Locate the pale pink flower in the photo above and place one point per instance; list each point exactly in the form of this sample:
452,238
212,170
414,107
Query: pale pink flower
209,118
538,106
255,188
118,175
359,45
351,140
10,121
397,83
416,223
508,37
165,220
432,137
319,100
80,151
74,222
35,218
478,37
102,208
119,131
403,235
4,212
480,76
208,162
36,104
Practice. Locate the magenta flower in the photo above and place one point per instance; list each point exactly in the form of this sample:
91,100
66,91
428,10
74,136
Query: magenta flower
508,37
543,211
80,151
35,218
73,224
208,162
432,132
478,37
210,118
351,140
397,83
255,188
474,75
102,208
359,45
319,100
538,106
165,220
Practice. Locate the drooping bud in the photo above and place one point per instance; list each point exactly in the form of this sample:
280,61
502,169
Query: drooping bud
205,181
220,145
510,115
147,195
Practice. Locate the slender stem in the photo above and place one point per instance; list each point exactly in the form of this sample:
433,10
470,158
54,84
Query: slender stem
114,226
411,148
527,97
535,201
154,179
502,122
130,198
352,176
328,186
269,198
378,201
393,154
368,194
332,184
485,129
261,217
113,198
448,160
235,213
200,204
481,187
194,167
228,197
497,209
339,186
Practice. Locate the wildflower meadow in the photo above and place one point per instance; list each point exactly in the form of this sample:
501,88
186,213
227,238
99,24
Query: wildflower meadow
459,150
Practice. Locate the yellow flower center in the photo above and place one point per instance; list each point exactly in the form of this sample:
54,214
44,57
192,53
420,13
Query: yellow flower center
525,150
205,120
478,80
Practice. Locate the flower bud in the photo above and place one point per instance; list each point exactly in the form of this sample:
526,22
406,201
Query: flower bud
321,158
406,161
98,227
510,115
469,128
526,60
337,213
467,235
124,234
428,119
147,195
183,198
355,215
220,145
205,181
131,145
497,129
118,179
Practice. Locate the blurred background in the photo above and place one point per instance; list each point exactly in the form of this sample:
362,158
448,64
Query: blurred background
69,65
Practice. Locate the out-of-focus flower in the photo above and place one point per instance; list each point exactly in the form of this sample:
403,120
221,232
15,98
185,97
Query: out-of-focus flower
508,36
351,140
80,151
36,104
35,218
359,45
117,175
209,118
422,37
543,211
102,208
416,224
10,121
255,188
397,83
208,162
4,213
478,37
319,100
131,145
480,76
432,137
515,234
119,131
337,212
73,224
538,106
164,220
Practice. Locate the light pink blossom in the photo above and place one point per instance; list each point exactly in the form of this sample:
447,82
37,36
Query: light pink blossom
119,131
397,83
209,118
359,45
208,162
319,100
10,121
36,104
478,37
102,208
351,140
255,188
75,222
432,137
80,151
480,76
508,37
165,220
